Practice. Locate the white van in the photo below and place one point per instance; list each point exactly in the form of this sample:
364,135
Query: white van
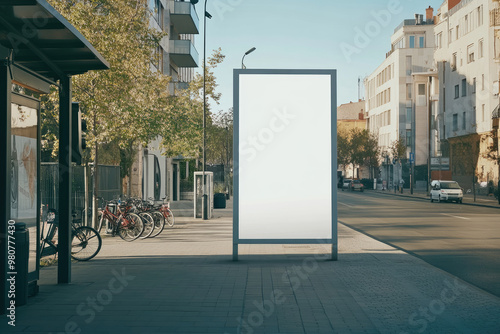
446,191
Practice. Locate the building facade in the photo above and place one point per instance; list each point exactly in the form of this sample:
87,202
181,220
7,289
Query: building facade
395,100
468,74
154,175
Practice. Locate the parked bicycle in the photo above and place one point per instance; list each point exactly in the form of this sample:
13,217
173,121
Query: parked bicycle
119,218
85,241
167,213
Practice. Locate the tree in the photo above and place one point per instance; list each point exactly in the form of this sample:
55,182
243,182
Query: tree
371,152
220,138
464,153
398,148
182,130
357,147
123,105
343,149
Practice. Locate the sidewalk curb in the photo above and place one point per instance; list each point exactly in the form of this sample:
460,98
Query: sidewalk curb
417,197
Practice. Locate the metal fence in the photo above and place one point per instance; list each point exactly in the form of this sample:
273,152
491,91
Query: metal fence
109,184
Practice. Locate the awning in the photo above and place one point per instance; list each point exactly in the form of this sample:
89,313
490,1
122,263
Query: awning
44,42
496,112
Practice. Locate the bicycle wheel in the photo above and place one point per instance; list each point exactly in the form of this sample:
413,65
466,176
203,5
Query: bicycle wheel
149,224
130,227
85,243
159,223
170,218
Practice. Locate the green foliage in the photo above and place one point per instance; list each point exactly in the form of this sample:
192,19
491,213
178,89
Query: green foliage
182,125
125,103
220,139
357,147
398,148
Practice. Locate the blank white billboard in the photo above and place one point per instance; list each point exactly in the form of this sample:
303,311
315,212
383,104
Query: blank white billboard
285,155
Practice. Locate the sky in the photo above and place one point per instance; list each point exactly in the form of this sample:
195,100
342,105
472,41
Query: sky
349,36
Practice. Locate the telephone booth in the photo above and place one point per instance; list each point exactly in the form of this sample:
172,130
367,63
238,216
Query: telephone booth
198,194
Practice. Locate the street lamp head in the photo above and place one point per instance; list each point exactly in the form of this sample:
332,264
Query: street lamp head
250,51
246,53
194,2
207,14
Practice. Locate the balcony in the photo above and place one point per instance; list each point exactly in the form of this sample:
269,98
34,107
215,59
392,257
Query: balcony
183,53
184,18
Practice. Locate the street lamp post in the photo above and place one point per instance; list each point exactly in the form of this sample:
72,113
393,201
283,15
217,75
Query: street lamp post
246,54
205,195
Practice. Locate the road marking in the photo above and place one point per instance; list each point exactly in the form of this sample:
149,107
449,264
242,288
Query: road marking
350,206
446,214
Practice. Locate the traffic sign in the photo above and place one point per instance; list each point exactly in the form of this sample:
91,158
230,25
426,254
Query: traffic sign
412,157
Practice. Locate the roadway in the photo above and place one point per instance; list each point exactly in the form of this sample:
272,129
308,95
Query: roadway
463,240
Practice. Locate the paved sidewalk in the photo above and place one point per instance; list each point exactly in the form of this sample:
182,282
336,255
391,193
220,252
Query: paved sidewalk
185,282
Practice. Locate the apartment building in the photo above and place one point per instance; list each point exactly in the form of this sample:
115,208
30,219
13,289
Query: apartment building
153,174
466,60
394,101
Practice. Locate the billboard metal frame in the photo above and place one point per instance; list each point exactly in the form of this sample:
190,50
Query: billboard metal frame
333,241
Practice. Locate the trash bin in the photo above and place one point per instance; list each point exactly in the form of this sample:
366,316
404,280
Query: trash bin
219,201
20,265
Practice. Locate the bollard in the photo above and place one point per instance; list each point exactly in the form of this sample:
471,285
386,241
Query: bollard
21,247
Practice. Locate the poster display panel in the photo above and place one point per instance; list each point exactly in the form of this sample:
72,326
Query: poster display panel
285,156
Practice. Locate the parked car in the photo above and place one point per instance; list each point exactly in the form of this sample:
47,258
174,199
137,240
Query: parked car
346,184
357,185
446,191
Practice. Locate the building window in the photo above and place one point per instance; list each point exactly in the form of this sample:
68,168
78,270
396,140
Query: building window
480,48
408,138
408,115
409,87
457,91
483,113
463,120
450,36
421,42
464,87
409,65
421,89
474,86
439,40
412,42
482,81
470,53
480,15
466,28
155,9
454,62
455,122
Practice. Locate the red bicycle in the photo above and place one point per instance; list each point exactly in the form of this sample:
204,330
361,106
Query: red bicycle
129,226
167,213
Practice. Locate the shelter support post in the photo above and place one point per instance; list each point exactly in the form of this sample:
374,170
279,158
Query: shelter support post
64,247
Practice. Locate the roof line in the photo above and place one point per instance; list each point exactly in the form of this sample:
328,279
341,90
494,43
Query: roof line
32,47
73,30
